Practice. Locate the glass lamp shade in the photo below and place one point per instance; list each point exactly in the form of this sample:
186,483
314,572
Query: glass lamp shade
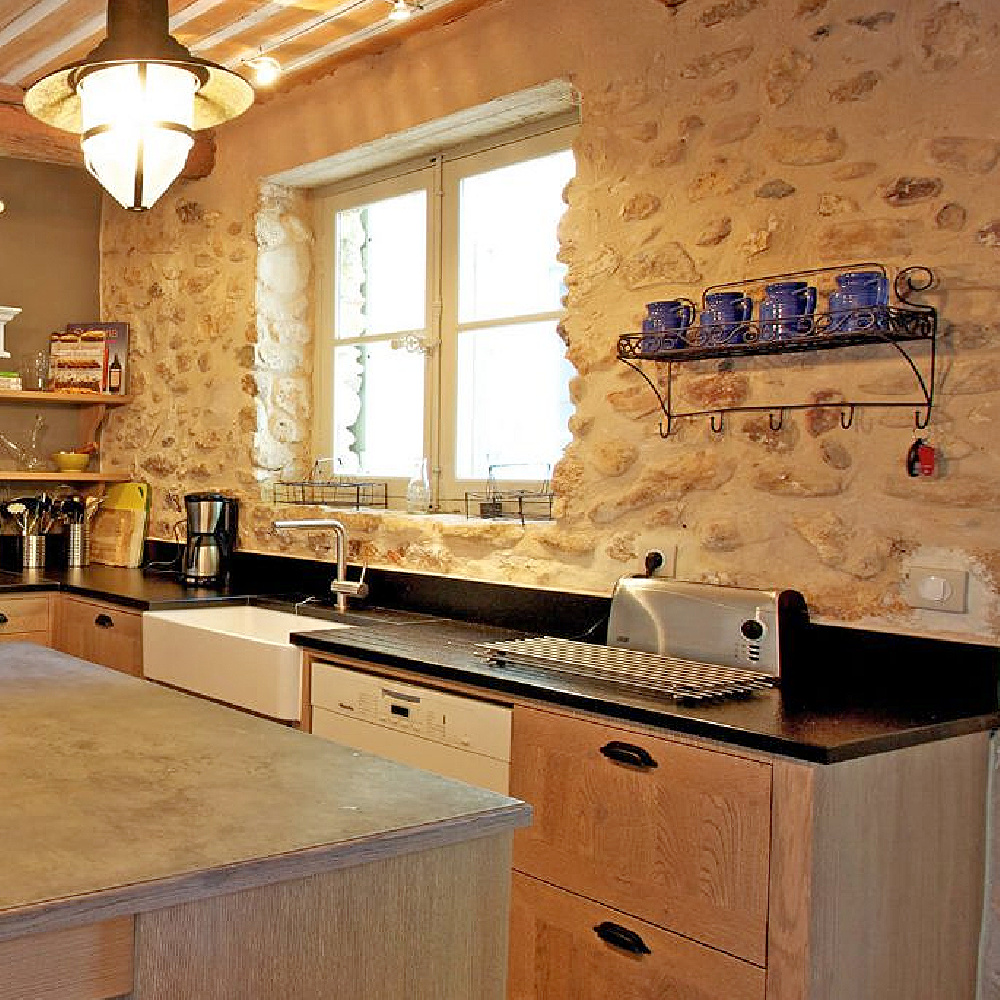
137,122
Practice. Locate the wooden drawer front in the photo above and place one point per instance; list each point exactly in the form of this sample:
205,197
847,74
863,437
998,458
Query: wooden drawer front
24,614
556,954
683,844
84,963
101,633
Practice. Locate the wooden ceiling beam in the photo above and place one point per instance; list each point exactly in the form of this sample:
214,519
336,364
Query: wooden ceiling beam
26,138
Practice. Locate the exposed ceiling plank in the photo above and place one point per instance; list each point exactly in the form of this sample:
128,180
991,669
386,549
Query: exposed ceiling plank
358,37
26,69
9,9
36,13
26,138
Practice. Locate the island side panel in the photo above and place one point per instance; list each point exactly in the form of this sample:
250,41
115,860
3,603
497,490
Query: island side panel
92,962
431,925
894,887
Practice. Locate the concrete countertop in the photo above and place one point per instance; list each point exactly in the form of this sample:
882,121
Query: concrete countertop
121,797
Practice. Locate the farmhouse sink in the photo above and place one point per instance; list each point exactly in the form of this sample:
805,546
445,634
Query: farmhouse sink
238,655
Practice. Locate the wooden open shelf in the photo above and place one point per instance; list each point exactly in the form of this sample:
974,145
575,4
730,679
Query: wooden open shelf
62,398
15,476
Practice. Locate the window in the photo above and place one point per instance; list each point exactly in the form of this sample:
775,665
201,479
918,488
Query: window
438,299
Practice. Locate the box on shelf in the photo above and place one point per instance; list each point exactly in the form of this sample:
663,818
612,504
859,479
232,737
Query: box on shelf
10,380
89,357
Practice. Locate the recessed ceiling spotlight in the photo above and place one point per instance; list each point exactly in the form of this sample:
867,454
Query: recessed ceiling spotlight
266,70
403,10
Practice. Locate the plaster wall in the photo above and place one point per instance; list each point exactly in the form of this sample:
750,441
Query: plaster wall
719,140
49,269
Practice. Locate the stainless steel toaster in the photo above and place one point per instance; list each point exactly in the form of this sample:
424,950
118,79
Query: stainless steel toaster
707,623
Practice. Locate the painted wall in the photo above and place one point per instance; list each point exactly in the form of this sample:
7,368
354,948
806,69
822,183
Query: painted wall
49,268
720,139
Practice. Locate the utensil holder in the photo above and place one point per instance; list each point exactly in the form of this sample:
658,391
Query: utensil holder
33,551
78,547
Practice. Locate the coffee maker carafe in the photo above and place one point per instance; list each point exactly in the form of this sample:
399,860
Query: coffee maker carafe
212,532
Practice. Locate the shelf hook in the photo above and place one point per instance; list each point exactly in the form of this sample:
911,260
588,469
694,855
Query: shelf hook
846,424
781,419
669,428
718,426
922,421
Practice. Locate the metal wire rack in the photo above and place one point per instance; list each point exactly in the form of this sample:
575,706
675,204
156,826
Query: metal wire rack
322,490
532,503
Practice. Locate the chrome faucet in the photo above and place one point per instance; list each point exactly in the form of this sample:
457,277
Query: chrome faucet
340,585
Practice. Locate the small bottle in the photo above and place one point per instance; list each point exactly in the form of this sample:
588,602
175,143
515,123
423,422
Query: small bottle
418,490
115,375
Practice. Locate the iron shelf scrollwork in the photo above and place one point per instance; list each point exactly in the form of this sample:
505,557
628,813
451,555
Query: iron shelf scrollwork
897,326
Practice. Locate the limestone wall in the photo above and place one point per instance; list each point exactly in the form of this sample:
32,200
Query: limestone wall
719,140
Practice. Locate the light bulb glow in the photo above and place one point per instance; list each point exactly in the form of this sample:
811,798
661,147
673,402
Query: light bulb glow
266,70
137,128
401,11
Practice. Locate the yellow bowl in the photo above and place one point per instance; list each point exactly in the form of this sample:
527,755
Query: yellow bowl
71,461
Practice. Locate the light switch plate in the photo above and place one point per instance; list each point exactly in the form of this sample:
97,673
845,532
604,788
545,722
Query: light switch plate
936,588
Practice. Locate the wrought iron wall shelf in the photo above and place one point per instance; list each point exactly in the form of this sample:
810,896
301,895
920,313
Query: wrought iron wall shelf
896,326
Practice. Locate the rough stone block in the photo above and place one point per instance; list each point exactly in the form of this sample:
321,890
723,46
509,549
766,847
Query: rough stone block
804,145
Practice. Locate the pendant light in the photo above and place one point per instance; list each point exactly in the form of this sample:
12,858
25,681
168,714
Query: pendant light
137,100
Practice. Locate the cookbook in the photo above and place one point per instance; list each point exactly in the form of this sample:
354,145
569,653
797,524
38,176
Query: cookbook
89,357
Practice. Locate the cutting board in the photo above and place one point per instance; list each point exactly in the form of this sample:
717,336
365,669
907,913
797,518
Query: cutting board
118,531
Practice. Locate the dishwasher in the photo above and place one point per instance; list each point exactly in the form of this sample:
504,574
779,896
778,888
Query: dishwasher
451,735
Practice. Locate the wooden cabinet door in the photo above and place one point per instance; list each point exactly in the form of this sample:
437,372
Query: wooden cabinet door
672,833
25,618
99,632
556,953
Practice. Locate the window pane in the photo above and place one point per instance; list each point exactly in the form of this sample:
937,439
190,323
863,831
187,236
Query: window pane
378,410
513,401
507,239
382,266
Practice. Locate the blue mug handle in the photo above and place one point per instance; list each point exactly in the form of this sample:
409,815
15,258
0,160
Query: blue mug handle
687,313
810,300
743,309
883,290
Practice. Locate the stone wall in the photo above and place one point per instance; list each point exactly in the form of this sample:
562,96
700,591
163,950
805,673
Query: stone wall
720,139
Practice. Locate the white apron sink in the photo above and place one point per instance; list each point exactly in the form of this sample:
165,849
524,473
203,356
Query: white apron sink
238,655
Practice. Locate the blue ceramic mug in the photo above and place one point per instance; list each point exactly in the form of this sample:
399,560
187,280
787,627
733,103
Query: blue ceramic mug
787,310
725,316
671,318
864,288
860,301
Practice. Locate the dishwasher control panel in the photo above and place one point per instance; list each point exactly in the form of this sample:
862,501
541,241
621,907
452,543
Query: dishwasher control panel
465,723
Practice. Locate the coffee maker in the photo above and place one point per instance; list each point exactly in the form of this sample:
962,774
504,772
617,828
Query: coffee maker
212,532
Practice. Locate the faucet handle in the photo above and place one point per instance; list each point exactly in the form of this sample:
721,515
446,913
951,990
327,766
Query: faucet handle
351,588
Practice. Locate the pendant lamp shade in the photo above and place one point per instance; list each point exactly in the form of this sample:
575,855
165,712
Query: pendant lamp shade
136,101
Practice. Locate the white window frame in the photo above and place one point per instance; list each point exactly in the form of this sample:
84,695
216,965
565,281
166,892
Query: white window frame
439,175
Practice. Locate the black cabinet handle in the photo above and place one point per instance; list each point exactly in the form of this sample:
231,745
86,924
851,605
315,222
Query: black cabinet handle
104,621
627,753
621,937
3,618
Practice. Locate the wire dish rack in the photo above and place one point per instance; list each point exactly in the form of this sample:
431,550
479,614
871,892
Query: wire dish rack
686,682
533,503
321,489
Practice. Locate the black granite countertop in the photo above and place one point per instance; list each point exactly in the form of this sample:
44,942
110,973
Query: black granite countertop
823,725
868,692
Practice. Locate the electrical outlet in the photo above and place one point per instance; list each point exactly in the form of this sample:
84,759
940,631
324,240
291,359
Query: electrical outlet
936,588
663,560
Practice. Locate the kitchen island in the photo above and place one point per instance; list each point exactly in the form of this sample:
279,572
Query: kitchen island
159,846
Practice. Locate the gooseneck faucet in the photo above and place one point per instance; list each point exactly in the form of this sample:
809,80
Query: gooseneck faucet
340,585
